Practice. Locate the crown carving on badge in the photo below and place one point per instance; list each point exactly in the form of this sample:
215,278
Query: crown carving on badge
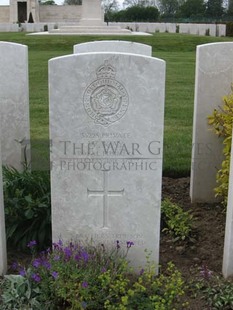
106,71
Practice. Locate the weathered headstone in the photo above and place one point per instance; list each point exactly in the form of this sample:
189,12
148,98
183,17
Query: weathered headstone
106,126
113,46
228,246
213,81
14,104
3,252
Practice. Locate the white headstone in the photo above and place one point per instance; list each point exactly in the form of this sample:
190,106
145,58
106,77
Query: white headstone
228,245
14,104
113,46
214,73
3,252
106,126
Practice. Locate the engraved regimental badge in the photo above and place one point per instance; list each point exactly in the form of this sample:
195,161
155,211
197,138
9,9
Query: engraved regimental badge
106,100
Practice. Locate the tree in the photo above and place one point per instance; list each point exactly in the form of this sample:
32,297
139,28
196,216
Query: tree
110,5
141,3
169,7
73,2
47,2
214,8
141,14
230,7
192,8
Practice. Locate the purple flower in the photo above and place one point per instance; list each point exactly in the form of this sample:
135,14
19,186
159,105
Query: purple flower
36,263
129,244
31,244
103,270
205,272
57,257
141,272
85,256
118,244
68,253
58,245
77,257
84,284
46,264
36,277
55,274
15,266
22,272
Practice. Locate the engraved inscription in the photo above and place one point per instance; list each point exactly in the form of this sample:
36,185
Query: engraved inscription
106,100
105,193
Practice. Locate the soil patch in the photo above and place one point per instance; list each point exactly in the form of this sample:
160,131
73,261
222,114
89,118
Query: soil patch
209,234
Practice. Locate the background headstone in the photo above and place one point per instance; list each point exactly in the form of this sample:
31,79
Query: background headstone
113,46
214,73
228,245
106,127
14,104
3,252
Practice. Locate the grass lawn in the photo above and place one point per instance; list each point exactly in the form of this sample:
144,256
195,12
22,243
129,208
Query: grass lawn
177,50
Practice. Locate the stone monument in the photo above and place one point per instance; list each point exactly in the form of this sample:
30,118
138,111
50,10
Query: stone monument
106,127
214,73
20,11
228,245
14,98
3,252
113,46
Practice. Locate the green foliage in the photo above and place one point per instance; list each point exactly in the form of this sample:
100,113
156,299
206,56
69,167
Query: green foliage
47,2
191,8
216,291
214,8
73,2
178,223
221,120
229,29
135,13
27,207
169,8
19,293
74,276
220,295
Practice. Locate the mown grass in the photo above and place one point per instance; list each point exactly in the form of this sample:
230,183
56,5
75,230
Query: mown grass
177,50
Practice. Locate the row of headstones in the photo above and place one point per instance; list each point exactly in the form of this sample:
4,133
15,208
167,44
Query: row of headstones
107,133
214,30
218,30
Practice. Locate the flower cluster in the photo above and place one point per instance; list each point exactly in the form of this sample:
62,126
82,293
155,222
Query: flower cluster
74,276
205,273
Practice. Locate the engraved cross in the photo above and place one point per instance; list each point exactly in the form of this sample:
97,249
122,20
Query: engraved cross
105,193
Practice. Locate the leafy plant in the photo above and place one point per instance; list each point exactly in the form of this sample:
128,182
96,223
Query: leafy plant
222,120
220,295
178,223
216,291
73,276
19,294
27,207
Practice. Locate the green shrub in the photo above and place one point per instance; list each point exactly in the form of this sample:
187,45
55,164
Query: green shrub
27,207
216,291
222,120
220,295
178,223
229,29
74,276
